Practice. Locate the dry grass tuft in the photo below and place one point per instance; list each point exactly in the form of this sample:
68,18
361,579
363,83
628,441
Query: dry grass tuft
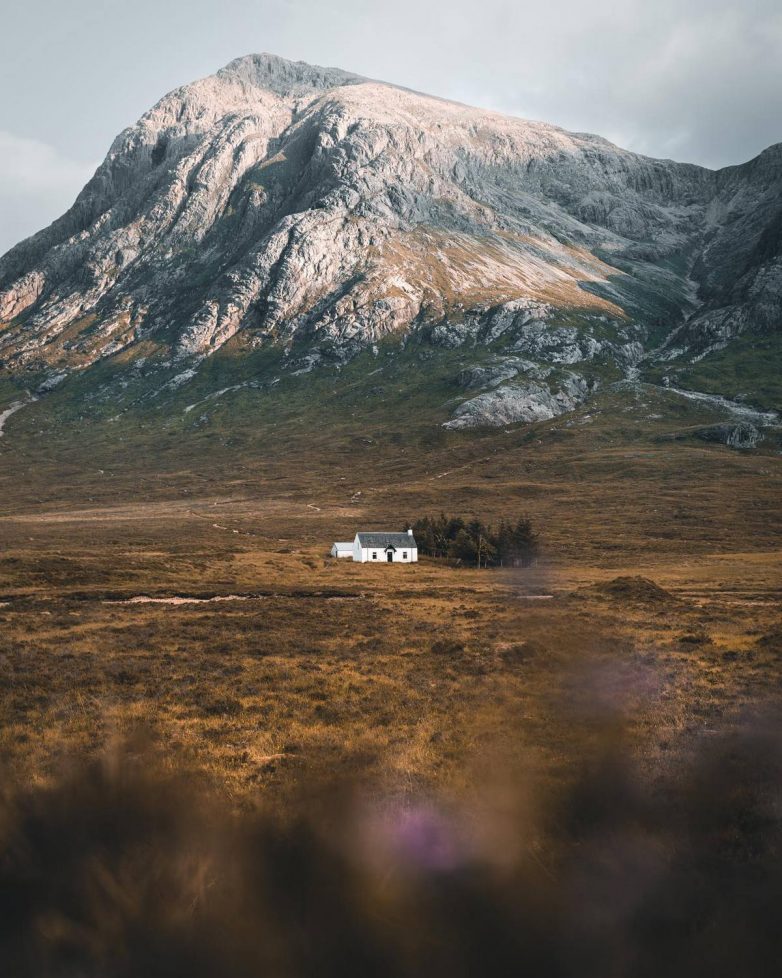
121,867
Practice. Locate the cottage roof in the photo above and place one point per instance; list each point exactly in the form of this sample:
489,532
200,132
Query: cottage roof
382,540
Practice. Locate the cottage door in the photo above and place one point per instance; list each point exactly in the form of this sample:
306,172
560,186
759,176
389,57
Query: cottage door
389,555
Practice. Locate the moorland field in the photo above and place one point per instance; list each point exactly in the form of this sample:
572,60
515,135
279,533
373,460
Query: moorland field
258,657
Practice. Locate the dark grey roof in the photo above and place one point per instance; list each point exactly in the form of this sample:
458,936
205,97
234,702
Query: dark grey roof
382,540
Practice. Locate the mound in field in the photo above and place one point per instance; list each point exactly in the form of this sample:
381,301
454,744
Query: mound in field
635,590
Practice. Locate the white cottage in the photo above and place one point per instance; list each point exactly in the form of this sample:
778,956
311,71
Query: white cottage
391,548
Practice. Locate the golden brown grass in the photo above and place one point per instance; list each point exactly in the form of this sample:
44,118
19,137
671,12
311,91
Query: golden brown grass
399,674
458,271
576,722
404,675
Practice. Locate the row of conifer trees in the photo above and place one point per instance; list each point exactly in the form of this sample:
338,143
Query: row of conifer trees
474,542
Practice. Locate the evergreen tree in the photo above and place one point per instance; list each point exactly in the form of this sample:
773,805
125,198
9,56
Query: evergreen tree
463,547
504,543
525,543
475,542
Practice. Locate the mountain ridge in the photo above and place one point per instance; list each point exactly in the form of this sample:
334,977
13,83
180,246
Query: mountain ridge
281,203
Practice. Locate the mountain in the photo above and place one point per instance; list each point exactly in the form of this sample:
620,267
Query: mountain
277,206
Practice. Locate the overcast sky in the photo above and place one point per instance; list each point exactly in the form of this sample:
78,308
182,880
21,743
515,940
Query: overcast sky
695,80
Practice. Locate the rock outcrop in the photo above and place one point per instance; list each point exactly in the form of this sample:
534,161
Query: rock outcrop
512,404
739,435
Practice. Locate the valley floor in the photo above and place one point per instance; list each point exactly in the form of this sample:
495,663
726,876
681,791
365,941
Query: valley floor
409,677
263,661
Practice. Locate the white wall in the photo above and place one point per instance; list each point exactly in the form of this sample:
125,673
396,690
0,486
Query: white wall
365,555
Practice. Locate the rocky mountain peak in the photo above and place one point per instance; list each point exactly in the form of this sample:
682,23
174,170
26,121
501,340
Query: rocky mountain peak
281,204
283,77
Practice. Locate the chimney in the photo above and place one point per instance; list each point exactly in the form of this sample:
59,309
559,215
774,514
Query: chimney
410,532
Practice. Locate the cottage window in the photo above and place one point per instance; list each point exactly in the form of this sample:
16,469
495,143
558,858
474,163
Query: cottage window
374,555
404,555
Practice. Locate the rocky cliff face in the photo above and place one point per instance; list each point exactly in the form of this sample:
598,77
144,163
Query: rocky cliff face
280,203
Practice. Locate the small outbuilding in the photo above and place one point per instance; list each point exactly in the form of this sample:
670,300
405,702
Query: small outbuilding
343,550
372,546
